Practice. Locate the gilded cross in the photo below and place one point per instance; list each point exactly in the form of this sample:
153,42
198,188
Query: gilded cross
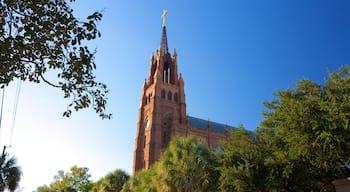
165,12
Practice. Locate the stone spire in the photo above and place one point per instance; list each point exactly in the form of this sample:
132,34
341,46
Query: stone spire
164,40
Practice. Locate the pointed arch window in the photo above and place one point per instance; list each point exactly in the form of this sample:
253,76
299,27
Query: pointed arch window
176,98
163,94
168,73
170,96
165,139
148,98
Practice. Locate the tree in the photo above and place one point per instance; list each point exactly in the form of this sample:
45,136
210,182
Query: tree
44,188
42,38
241,163
112,182
10,173
187,165
143,180
77,180
307,132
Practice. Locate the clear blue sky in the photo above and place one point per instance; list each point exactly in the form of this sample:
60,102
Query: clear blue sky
233,55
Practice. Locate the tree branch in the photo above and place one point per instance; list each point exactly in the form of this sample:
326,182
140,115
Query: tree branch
48,82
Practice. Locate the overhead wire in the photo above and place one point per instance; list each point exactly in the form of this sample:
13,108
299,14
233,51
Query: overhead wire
14,111
2,106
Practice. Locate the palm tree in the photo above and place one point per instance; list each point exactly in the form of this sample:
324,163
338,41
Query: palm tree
141,181
187,165
10,173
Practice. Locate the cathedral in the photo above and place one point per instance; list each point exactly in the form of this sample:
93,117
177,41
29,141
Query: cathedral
162,111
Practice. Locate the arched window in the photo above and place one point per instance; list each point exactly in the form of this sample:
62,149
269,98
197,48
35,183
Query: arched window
165,139
167,73
163,94
149,98
176,99
169,95
166,130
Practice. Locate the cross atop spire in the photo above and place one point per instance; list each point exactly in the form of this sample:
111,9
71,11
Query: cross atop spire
165,12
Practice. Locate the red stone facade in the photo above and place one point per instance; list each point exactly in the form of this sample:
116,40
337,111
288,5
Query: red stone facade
162,112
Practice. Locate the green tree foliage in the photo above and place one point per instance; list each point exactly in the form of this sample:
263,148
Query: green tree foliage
44,188
241,163
112,182
43,38
10,172
302,145
143,180
307,132
77,180
186,165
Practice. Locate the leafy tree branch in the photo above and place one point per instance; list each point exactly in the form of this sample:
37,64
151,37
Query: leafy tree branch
42,36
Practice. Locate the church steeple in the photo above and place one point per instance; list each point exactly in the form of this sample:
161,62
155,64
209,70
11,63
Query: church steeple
164,42
162,111
163,67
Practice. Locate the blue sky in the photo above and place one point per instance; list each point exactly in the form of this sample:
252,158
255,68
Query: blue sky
233,56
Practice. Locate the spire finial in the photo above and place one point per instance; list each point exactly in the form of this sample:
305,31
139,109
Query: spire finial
165,12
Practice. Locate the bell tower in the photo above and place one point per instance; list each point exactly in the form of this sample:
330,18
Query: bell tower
162,111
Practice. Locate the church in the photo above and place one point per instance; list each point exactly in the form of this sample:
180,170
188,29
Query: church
162,112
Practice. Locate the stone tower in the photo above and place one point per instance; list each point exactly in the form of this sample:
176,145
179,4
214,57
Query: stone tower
162,107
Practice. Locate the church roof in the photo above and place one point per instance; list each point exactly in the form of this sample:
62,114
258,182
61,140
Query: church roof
204,124
215,126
